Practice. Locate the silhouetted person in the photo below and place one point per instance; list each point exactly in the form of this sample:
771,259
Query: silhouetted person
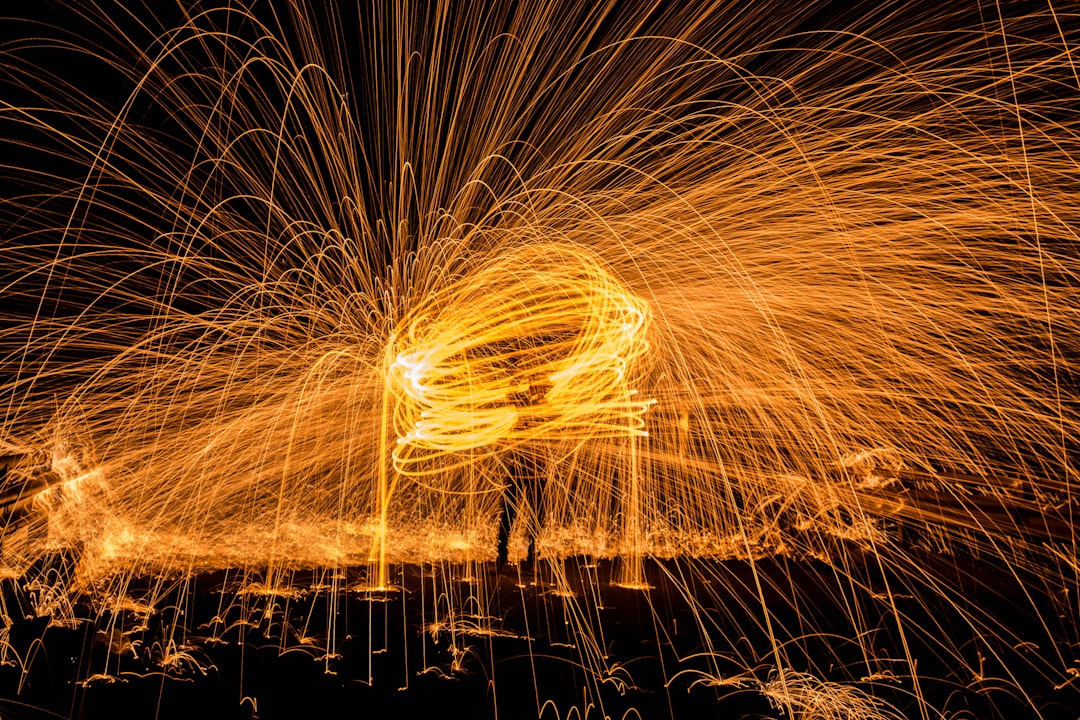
526,486
527,475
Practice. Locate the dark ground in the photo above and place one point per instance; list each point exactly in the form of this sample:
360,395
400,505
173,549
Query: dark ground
389,660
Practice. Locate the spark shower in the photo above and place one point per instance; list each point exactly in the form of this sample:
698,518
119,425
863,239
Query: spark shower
800,288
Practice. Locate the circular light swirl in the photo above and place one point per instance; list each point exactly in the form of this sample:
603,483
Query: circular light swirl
539,344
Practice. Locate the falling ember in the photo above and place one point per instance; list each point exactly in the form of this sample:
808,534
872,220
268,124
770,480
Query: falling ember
662,361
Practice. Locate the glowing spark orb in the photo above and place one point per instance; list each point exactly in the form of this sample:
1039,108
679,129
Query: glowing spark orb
464,360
